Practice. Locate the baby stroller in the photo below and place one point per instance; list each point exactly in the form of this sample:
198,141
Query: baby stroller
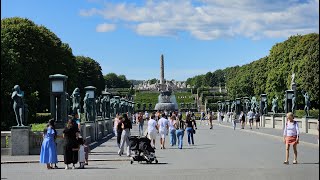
143,151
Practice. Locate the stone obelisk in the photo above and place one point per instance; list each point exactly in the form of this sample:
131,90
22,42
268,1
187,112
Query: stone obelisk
161,70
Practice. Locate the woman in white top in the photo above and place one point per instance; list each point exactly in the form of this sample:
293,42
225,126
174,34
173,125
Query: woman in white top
172,130
163,129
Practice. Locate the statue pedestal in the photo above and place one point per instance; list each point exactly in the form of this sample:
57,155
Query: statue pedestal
20,140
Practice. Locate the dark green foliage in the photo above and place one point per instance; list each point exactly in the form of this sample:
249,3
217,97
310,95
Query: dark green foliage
272,74
89,73
113,80
29,54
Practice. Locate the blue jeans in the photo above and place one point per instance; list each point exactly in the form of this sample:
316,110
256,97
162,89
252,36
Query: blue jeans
173,138
141,129
180,134
190,134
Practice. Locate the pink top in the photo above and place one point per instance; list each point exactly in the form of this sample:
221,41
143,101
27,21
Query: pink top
291,129
116,122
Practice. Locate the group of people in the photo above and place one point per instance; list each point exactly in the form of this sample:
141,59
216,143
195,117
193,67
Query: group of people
172,124
160,124
75,148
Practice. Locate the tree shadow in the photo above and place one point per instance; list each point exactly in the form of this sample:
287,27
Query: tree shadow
93,167
145,163
308,163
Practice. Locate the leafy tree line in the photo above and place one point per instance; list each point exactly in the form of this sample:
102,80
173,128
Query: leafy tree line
272,74
29,54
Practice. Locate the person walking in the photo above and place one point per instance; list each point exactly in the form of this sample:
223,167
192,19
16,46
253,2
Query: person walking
126,126
115,124
163,130
70,155
250,116
140,123
291,136
180,127
257,117
202,117
119,130
48,153
210,118
190,129
234,119
242,119
152,130
172,130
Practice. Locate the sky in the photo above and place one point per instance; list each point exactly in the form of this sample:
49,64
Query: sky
195,36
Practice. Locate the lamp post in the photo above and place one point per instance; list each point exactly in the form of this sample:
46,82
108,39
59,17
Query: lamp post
58,101
238,104
219,105
289,103
90,90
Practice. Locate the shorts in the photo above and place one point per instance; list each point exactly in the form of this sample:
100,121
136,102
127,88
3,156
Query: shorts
258,120
152,135
250,120
163,134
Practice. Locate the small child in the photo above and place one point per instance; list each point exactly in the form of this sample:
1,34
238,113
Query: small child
86,151
81,153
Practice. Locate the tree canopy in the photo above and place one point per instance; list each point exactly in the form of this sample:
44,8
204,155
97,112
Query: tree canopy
272,74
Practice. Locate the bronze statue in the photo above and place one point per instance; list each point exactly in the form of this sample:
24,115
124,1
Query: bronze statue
18,104
306,103
274,105
76,98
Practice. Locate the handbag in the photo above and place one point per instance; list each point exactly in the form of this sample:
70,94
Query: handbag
194,131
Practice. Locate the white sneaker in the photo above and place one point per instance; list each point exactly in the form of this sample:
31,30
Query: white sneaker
66,167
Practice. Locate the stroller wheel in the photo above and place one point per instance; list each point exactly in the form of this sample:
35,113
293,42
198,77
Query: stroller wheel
156,161
131,162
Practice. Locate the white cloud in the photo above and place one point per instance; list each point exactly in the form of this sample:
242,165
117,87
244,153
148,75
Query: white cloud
212,19
105,27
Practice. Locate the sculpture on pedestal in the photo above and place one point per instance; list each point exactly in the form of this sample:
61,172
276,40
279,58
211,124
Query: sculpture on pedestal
274,105
284,104
233,105
103,107
98,106
306,103
253,103
76,98
18,104
87,107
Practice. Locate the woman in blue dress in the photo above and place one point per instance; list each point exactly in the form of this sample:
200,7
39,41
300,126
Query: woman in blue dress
48,154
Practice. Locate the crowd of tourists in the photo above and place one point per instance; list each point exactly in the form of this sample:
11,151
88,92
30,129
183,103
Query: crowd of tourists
162,124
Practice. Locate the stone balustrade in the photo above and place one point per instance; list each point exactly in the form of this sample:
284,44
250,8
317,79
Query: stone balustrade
306,124
91,132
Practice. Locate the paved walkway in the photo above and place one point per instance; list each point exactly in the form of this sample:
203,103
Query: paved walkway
221,153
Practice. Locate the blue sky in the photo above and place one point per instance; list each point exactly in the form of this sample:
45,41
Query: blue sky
195,36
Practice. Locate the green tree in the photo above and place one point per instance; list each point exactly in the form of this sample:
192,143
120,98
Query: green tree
29,54
89,73
112,80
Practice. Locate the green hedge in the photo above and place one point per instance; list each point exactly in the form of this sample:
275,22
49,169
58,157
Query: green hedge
301,113
39,118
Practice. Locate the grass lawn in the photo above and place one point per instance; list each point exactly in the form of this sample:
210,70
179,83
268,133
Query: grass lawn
38,127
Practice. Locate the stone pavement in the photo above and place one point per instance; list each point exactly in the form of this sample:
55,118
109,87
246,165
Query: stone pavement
221,153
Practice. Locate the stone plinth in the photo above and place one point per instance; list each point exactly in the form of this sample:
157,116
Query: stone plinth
20,140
